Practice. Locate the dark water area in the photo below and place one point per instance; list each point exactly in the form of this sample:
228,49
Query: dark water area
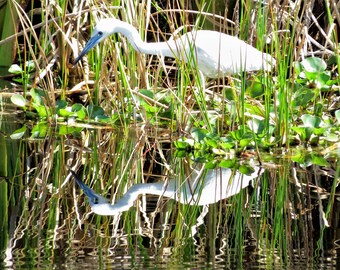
284,216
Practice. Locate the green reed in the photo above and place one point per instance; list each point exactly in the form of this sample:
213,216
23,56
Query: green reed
114,160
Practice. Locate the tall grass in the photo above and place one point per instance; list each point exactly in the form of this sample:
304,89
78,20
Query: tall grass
113,77
117,72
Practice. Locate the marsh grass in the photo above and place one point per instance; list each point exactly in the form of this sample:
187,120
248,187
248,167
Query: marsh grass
113,72
119,80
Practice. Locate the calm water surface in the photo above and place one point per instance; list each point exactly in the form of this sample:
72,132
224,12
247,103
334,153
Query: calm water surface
287,217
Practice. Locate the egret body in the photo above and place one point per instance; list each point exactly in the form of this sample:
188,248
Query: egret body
215,54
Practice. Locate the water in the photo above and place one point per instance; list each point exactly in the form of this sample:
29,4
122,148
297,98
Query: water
286,218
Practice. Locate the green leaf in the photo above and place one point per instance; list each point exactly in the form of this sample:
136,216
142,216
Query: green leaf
319,131
256,125
142,97
298,67
229,163
302,132
41,110
319,160
103,118
61,104
211,165
149,108
337,116
199,134
227,143
255,110
314,65
15,69
80,110
37,96
246,169
218,152
333,60
77,107
299,158
19,133
324,78
319,79
230,93
180,153
94,111
236,135
30,65
246,142
148,93
311,120
81,114
63,130
181,144
18,100
331,137
40,130
255,89
66,112
211,141
302,96
18,80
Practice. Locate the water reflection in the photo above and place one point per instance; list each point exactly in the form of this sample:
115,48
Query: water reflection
281,223
200,188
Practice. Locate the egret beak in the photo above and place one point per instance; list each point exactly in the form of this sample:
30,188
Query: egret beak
89,45
93,197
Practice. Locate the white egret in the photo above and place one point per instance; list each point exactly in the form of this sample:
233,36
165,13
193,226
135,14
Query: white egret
198,189
215,54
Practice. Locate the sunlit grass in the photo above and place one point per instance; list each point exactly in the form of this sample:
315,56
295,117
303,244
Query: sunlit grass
114,72
148,104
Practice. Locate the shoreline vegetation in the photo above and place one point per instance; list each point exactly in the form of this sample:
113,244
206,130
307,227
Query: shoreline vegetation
296,103
121,119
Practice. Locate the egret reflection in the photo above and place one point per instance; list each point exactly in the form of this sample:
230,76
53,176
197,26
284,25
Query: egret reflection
200,188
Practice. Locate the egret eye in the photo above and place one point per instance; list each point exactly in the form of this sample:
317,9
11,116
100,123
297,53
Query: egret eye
100,33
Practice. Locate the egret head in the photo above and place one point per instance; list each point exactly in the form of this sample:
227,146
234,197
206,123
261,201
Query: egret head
103,29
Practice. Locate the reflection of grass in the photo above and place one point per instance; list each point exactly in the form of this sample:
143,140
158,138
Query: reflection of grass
275,216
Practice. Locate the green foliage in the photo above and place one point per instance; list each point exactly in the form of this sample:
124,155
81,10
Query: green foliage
37,102
313,130
217,123
77,111
156,105
337,116
312,73
19,133
255,88
75,115
306,159
206,146
24,72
